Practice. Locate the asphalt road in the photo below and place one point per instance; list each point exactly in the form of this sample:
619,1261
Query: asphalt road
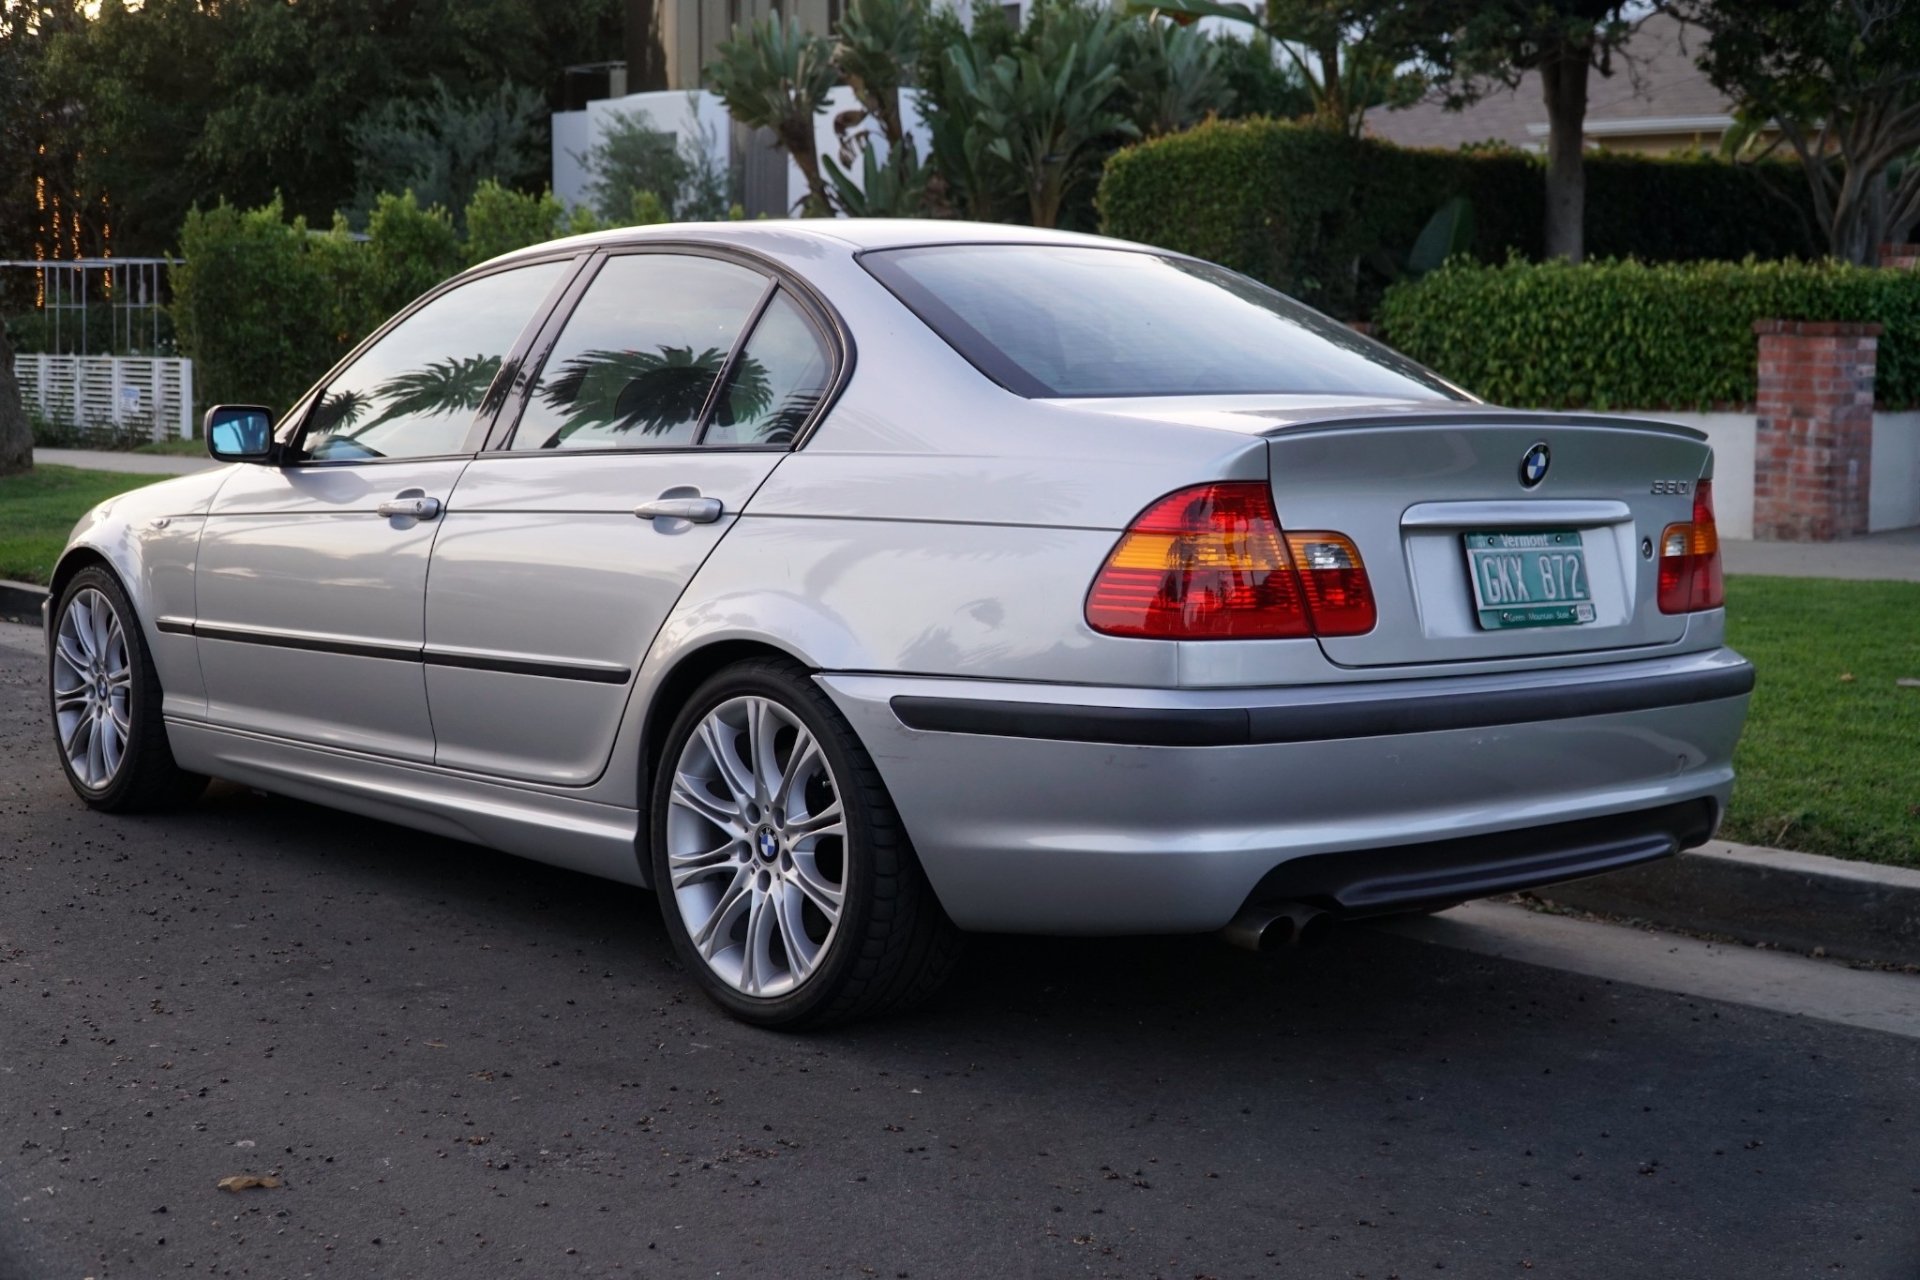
463,1065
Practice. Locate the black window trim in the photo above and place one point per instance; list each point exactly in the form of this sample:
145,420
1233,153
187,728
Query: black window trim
992,363
825,319
293,426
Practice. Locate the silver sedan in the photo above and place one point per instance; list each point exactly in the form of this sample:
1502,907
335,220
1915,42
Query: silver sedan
855,584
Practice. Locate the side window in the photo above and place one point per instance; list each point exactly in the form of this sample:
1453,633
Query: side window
637,361
414,393
778,382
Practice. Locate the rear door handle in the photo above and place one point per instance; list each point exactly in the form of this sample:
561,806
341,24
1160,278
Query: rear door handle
697,510
415,508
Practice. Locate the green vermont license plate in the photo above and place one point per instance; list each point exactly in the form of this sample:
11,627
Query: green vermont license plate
1532,579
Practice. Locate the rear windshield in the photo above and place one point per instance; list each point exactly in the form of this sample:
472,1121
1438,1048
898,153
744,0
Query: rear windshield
1053,320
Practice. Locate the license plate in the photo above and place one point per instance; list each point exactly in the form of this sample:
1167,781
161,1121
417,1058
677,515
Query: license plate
1532,579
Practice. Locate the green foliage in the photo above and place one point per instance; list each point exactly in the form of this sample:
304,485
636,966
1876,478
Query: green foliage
647,210
1175,77
632,158
409,250
442,148
1308,210
892,188
774,75
1258,83
1625,334
253,306
1040,112
876,50
500,220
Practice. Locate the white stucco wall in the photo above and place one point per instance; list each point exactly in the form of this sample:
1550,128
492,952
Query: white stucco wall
1893,498
1732,437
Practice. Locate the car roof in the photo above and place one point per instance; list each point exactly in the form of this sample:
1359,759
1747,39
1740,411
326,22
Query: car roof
805,237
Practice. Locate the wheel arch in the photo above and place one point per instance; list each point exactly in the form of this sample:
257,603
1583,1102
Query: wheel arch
676,685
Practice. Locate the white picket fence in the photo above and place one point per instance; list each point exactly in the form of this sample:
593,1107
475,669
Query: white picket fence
117,394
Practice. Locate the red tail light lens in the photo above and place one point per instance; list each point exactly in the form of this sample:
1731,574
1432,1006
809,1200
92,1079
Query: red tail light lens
1690,576
1210,563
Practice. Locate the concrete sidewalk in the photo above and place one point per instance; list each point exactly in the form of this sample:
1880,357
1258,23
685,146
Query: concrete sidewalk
145,464
1894,555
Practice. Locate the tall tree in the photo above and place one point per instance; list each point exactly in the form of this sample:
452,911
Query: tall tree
1487,44
1838,83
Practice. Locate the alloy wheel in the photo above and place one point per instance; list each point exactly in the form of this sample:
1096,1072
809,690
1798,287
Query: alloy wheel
92,688
756,846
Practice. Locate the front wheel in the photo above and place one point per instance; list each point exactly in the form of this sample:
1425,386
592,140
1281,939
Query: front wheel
784,874
105,697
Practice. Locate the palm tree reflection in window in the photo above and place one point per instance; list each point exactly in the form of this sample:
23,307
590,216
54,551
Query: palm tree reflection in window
602,396
456,386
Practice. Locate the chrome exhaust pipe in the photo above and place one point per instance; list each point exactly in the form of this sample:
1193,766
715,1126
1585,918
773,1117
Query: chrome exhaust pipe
1273,925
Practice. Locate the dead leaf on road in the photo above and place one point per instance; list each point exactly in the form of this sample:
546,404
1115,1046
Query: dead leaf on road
245,1181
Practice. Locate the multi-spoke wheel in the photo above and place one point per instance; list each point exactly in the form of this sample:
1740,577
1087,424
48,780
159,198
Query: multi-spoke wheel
785,879
106,702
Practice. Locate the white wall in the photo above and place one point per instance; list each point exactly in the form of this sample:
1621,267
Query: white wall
1893,499
147,393
1732,437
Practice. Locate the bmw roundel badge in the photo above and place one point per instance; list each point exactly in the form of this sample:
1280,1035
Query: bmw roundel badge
1533,465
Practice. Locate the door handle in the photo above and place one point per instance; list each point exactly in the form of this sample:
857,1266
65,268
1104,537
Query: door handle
697,510
413,508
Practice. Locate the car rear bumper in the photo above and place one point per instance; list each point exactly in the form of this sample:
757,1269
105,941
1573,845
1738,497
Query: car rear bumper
1083,809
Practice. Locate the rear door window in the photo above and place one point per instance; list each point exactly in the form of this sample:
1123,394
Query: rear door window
637,363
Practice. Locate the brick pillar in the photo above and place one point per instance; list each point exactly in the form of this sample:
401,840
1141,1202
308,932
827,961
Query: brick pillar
1814,451
1901,257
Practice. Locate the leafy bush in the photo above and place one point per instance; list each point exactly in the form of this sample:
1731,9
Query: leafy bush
1304,209
1625,334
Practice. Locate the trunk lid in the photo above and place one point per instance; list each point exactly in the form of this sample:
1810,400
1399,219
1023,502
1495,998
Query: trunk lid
1416,491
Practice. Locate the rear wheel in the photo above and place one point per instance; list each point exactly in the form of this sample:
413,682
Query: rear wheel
105,699
784,875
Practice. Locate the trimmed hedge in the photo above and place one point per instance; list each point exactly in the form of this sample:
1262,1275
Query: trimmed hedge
1305,209
1625,334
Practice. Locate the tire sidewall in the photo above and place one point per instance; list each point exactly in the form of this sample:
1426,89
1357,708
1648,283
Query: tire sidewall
138,665
825,982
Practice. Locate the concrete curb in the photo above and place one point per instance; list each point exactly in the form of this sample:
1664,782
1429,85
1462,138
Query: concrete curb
1799,901
20,602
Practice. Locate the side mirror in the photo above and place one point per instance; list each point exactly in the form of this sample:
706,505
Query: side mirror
240,433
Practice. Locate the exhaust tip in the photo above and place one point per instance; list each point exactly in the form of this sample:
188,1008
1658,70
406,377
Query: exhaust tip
1277,926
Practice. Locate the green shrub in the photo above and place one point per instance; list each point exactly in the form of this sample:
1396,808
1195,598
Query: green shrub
253,305
500,220
1625,334
1304,209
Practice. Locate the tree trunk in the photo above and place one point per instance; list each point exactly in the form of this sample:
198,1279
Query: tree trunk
1563,80
16,434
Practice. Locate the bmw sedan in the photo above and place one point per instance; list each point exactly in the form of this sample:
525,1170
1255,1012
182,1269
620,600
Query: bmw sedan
858,584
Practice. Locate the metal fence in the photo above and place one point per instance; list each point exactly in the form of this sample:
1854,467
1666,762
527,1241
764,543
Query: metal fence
109,395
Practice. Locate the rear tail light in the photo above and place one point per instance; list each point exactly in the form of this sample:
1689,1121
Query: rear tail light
1210,563
1690,578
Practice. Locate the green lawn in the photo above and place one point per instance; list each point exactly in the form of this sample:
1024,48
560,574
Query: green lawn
39,509
1829,764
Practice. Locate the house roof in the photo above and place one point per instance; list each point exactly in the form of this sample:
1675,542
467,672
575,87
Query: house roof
1655,88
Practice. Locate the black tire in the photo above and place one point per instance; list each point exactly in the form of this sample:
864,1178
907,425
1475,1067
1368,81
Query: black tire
146,778
893,946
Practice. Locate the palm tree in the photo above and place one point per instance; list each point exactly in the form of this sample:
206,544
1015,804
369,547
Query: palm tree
774,75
